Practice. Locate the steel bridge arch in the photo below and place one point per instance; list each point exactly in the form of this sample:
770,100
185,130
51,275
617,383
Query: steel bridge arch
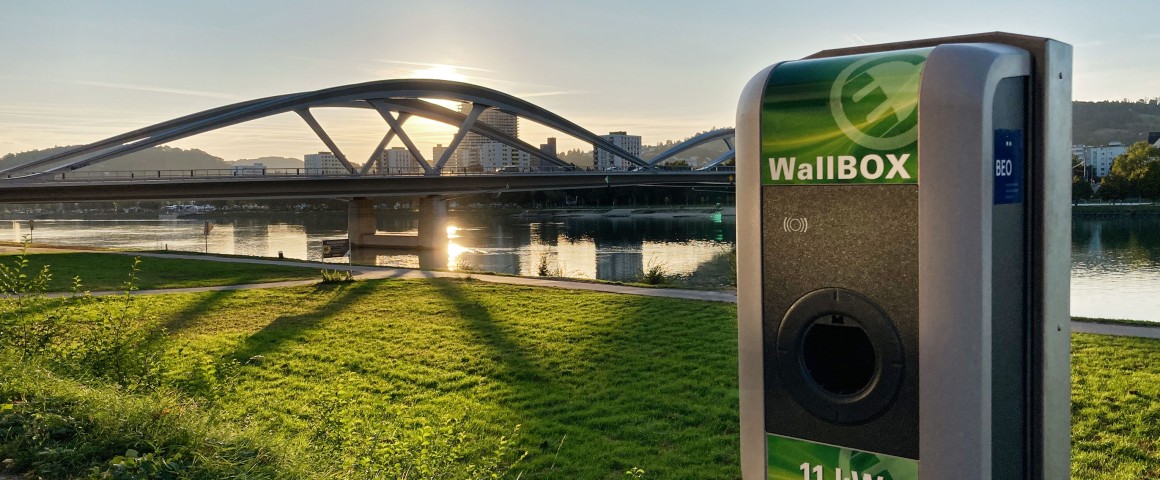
404,96
723,134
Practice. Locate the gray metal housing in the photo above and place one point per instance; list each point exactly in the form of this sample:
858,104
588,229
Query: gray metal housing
954,431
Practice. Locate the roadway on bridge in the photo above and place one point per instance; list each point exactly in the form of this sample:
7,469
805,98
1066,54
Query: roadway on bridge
221,188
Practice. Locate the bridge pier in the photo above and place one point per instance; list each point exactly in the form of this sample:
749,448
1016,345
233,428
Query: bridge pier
432,235
429,259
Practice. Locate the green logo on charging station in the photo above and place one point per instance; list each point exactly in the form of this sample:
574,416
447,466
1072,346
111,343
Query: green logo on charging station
851,119
793,459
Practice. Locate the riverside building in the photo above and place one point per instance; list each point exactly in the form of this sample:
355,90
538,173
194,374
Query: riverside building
607,161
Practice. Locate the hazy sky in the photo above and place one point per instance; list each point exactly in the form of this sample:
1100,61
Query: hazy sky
76,71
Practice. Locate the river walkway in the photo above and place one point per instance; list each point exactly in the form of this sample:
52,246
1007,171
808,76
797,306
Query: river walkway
364,272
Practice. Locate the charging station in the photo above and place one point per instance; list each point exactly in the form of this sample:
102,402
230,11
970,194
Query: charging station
903,262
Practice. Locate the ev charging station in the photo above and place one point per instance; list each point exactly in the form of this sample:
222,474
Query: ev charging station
903,262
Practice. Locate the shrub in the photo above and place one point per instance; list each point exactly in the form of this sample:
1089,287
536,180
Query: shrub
337,276
655,275
546,270
109,338
56,427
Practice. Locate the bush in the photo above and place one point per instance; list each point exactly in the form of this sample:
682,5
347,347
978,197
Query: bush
24,323
546,270
337,276
110,338
655,275
55,427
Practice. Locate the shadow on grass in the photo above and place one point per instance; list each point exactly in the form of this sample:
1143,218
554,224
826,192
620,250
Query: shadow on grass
195,311
606,383
652,386
507,352
291,327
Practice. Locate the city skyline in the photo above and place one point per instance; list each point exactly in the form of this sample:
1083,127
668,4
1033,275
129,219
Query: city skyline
79,72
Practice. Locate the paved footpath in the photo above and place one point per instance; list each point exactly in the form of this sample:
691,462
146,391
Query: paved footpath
1118,329
362,272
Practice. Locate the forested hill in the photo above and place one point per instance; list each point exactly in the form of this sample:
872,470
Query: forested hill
1098,123
156,158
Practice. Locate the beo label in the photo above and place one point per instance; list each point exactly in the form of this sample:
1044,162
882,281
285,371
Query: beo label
1008,166
843,120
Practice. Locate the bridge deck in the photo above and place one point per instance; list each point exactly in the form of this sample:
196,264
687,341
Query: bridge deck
103,189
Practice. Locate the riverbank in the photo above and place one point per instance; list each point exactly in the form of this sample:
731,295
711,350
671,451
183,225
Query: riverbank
1125,209
100,271
190,272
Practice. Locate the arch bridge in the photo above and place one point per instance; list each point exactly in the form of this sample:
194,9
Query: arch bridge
60,177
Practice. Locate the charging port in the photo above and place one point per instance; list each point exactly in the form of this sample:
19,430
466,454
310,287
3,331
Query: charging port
839,356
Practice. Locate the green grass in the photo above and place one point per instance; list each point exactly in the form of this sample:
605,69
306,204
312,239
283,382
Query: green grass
597,383
1115,405
609,381
69,427
108,271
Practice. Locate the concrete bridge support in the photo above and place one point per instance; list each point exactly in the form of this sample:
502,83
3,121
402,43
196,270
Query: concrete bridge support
432,234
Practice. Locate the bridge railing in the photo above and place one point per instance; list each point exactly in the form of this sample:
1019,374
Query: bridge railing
212,173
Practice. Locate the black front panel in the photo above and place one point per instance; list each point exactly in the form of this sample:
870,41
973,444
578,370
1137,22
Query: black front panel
1010,389
861,243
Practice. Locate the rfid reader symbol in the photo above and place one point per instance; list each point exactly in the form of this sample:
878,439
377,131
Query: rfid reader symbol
795,225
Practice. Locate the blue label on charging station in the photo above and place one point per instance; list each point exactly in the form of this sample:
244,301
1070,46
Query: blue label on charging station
1008,166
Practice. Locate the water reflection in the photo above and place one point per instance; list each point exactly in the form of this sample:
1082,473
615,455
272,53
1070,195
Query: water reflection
1116,267
582,247
1115,260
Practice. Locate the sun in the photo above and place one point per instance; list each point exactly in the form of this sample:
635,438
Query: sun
439,72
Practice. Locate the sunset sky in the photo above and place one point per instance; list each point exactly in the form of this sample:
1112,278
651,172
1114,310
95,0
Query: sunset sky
77,71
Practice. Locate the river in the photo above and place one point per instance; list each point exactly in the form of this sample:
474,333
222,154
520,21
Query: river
1115,260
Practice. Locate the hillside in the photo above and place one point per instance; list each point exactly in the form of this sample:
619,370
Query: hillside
272,162
156,158
1098,123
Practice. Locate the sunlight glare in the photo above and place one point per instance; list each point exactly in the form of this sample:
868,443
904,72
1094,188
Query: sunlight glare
439,72
454,250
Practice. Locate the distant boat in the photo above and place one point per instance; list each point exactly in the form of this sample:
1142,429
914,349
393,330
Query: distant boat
181,212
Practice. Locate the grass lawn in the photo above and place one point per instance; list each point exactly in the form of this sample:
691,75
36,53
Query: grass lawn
1115,407
597,383
108,271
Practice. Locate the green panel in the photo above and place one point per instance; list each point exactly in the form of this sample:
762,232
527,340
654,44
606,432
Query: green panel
793,459
851,119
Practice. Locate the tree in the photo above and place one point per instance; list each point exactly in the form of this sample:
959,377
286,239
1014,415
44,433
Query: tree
1113,187
1080,189
1129,171
1150,180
